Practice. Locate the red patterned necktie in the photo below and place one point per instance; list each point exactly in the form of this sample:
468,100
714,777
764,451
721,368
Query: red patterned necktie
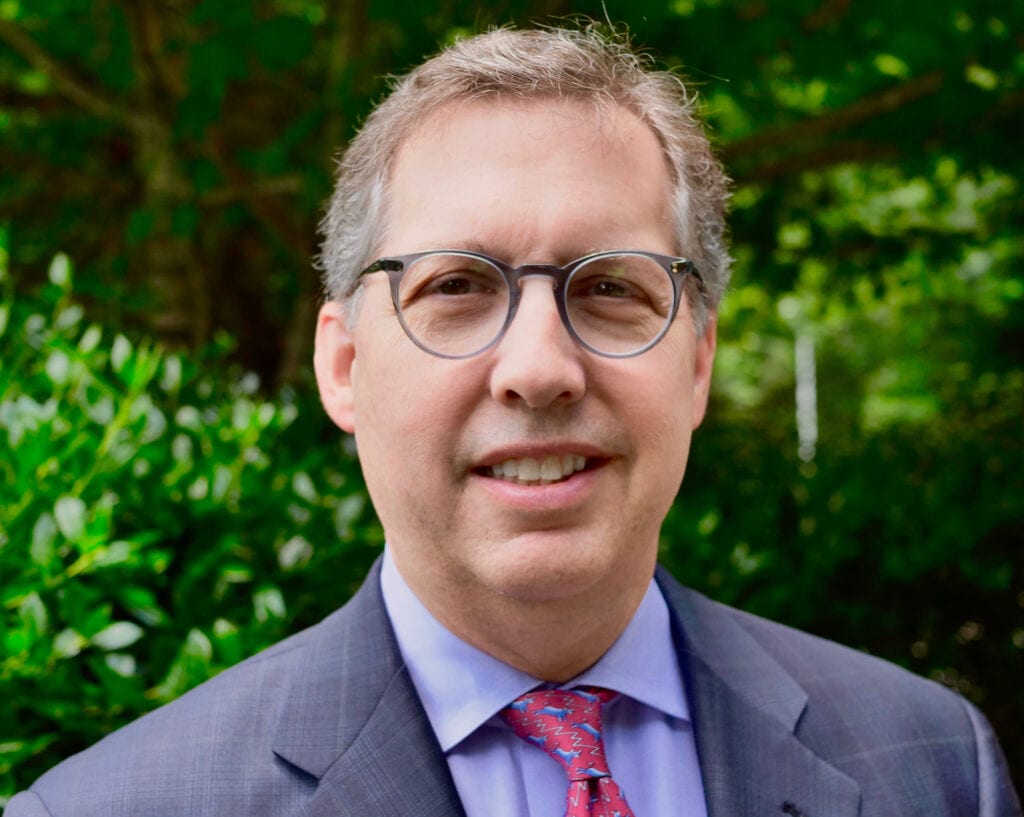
566,723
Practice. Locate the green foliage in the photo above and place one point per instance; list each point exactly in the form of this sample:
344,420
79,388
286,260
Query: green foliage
158,522
161,516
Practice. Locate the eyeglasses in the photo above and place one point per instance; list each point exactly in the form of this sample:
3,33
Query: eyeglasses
457,304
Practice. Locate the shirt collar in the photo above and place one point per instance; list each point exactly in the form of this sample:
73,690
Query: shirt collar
462,687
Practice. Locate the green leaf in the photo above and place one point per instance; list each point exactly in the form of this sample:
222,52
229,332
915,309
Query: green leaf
13,752
60,271
118,635
892,66
190,666
197,645
983,77
10,9
122,664
58,367
90,339
70,513
294,553
269,603
44,534
69,643
69,317
33,612
228,641
114,554
170,379
121,353
302,485
347,512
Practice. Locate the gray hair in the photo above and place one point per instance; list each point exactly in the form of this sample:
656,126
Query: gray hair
585,65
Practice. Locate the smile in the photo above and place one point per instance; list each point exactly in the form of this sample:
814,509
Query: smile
531,471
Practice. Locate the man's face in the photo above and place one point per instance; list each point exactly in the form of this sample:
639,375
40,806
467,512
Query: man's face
525,182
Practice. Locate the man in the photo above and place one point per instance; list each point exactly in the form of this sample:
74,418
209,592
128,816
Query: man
523,258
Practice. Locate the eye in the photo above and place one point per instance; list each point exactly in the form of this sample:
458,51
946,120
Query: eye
602,287
459,284
450,277
611,289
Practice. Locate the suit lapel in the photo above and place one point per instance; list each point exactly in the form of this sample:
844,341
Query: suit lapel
394,767
745,710
352,721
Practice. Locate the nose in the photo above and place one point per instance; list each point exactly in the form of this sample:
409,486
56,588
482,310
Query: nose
537,363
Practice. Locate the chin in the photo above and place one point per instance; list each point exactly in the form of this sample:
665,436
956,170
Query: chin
549,568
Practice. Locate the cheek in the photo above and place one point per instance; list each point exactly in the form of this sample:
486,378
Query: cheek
410,408
661,411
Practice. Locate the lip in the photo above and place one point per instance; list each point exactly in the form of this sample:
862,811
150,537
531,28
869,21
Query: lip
539,451
552,497
555,497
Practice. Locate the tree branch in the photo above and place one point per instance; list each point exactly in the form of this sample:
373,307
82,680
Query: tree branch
828,12
264,208
854,150
14,100
862,110
249,192
150,37
63,79
299,240
1007,105
348,38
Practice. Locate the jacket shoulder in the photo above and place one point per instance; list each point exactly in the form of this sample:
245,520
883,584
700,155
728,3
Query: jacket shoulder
211,750
824,669
901,737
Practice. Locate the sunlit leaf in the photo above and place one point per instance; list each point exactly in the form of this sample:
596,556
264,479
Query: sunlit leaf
120,353
268,602
44,535
295,552
70,515
59,272
118,635
69,643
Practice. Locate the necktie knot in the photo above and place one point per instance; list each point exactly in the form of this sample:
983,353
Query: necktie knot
566,723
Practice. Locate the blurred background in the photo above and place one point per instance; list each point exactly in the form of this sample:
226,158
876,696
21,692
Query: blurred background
172,497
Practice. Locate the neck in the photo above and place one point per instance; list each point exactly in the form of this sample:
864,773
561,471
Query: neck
553,640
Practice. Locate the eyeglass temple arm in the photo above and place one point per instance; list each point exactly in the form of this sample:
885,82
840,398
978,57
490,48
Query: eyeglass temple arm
382,265
684,266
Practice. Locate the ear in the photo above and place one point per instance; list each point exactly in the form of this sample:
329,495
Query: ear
704,360
334,362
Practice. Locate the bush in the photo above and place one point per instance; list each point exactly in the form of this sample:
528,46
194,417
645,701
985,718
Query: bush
159,521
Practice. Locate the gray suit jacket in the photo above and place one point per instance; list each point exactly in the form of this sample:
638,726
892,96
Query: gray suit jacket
327,723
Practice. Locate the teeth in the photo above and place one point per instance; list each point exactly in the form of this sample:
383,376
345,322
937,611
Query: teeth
530,471
551,468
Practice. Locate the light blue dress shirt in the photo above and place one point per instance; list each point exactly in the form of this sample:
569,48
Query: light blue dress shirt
647,730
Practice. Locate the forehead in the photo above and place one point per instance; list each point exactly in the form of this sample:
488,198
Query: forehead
497,171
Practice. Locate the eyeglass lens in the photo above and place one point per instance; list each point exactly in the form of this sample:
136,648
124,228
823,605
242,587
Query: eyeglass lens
456,304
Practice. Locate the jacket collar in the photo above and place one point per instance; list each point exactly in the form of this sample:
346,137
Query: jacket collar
746,710
351,720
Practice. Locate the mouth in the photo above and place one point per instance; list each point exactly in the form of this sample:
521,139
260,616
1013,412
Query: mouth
538,471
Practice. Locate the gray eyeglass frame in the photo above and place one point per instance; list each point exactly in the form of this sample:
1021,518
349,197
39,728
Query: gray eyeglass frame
678,269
